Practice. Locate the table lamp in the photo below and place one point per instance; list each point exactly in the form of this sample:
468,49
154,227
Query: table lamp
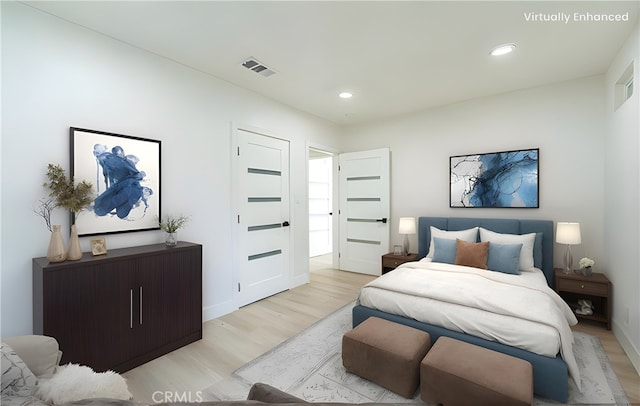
407,226
569,234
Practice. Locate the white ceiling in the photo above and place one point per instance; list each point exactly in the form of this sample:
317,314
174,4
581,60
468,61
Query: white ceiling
395,57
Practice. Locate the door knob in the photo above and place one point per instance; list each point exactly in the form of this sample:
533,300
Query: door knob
382,220
285,224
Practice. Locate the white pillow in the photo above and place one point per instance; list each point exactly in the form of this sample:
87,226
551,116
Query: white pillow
469,235
527,241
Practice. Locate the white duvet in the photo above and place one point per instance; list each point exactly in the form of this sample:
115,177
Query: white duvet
516,310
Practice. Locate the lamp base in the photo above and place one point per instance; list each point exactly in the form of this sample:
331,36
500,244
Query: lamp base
405,245
568,261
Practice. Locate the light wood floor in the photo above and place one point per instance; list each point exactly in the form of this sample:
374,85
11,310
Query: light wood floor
627,375
235,339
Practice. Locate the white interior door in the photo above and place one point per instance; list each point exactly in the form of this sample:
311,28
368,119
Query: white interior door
364,210
263,218
320,202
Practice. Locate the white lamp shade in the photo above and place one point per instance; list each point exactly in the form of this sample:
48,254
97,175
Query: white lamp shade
407,225
568,233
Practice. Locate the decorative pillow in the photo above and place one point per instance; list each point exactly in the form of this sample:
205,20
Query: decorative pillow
537,251
527,241
17,379
469,235
504,258
472,254
14,400
40,353
73,382
444,250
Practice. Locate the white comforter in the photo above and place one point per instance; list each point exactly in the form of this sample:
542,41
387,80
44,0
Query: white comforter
516,310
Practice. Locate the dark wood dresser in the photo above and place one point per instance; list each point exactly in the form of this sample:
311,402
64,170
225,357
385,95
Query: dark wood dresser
122,309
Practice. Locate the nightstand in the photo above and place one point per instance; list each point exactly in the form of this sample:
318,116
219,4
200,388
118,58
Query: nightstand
597,288
392,261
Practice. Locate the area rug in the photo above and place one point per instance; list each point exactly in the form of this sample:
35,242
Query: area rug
309,365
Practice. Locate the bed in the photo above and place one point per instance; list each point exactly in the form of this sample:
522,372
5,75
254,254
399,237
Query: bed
416,294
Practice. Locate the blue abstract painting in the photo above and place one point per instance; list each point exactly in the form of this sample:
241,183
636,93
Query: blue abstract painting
499,179
125,172
121,181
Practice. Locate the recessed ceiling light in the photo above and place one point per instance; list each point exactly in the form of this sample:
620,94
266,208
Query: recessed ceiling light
502,49
345,95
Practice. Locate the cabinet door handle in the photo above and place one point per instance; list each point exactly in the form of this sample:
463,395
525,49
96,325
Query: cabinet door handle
140,305
130,308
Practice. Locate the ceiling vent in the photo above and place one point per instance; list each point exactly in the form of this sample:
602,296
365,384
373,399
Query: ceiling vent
258,67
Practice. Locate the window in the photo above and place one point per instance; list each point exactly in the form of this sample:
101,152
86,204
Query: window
628,89
624,87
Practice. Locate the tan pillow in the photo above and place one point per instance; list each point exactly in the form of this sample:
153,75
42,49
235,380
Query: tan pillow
40,353
472,254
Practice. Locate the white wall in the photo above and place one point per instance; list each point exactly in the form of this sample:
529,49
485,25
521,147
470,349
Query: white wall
566,121
56,75
622,200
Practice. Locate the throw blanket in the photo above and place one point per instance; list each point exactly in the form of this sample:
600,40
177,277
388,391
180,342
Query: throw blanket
509,297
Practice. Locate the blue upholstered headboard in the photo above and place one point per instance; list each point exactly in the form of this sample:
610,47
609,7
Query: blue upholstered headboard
543,228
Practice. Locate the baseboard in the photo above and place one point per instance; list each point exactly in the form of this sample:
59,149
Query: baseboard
218,310
299,280
627,346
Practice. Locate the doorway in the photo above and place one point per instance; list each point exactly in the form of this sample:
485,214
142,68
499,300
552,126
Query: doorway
320,178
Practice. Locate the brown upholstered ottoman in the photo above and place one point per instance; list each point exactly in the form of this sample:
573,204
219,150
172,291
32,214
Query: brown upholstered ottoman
386,353
459,373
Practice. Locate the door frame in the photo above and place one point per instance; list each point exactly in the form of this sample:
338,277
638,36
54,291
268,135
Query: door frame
235,204
335,186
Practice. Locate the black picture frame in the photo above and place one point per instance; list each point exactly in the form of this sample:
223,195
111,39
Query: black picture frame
125,173
506,179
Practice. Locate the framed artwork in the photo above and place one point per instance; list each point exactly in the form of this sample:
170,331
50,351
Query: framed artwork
498,179
98,246
125,173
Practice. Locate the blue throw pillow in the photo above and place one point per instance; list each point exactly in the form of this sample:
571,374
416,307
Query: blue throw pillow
537,251
504,258
444,250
